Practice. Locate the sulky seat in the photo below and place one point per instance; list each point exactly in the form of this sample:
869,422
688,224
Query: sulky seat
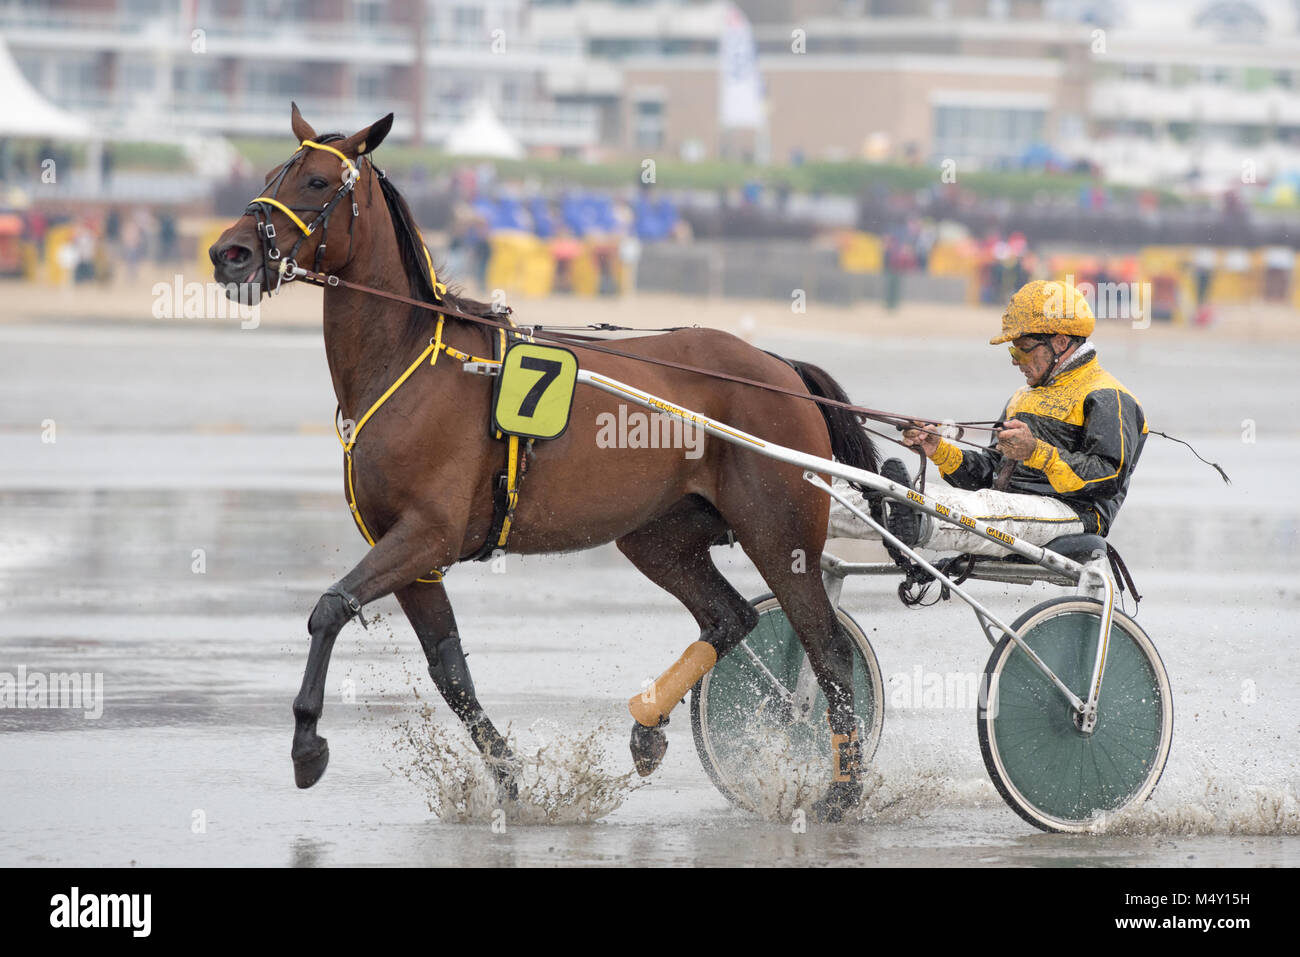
1081,548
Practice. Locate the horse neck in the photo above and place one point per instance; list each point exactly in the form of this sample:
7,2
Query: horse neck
368,339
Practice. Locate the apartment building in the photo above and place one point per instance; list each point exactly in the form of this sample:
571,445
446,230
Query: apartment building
231,66
1152,90
886,80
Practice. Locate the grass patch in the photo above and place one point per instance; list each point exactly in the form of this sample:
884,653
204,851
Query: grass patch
845,178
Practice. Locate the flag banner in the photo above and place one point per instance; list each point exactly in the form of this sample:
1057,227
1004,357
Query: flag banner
740,95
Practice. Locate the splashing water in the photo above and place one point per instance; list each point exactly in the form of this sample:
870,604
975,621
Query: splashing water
774,774
1225,807
563,781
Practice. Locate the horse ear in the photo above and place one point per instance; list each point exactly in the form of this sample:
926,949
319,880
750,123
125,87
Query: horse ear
301,128
368,140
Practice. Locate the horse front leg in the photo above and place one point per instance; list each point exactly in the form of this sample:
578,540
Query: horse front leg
401,556
428,609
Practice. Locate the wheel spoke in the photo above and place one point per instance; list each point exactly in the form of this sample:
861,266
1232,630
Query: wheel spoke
1050,772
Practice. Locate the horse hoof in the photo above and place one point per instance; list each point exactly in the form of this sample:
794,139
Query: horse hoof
842,796
308,767
649,745
506,771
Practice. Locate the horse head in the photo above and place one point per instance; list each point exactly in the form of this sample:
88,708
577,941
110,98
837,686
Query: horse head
309,203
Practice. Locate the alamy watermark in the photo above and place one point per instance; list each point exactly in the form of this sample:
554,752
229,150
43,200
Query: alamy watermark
1107,300
179,299
648,430
133,912
952,690
36,690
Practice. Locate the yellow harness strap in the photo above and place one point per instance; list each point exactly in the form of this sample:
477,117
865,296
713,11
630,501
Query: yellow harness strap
512,488
512,456
439,287
286,210
436,345
293,217
329,149
351,441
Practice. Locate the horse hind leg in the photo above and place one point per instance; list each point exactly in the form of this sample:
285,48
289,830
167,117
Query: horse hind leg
430,614
673,552
795,579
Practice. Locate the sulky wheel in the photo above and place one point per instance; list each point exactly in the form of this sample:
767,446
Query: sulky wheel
760,719
1052,774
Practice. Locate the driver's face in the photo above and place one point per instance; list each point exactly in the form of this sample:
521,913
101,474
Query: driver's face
1036,358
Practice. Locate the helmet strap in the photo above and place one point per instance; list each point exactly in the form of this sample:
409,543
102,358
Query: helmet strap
1046,377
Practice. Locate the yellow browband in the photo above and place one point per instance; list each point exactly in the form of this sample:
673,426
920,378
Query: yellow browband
439,287
270,201
329,149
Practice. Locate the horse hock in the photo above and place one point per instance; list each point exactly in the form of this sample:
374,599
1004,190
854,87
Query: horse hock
651,707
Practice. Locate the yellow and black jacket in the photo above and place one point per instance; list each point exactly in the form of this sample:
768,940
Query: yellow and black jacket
1090,432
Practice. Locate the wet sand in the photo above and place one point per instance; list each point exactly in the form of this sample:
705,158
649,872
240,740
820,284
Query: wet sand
176,438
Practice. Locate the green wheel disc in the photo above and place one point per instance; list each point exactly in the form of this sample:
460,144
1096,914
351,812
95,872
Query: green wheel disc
1051,773
749,739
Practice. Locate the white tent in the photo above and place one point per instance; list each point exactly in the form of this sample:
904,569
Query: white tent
482,134
27,113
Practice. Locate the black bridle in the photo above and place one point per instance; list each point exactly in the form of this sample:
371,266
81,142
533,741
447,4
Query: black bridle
260,209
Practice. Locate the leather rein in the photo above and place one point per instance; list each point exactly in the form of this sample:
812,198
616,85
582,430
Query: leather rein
287,270
898,420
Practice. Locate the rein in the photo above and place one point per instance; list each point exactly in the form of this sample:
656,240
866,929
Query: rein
288,269
898,420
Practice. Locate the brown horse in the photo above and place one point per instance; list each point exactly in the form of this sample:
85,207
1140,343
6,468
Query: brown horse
423,467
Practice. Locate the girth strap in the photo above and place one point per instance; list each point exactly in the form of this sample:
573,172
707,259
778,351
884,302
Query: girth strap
506,482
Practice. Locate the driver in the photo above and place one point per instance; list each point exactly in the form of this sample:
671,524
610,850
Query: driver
1061,463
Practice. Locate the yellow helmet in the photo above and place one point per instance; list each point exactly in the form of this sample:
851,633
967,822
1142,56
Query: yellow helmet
1046,306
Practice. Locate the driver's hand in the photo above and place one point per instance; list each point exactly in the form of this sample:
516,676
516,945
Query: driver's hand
919,435
1015,441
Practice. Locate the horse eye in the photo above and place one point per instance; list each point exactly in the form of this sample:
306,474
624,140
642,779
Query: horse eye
317,183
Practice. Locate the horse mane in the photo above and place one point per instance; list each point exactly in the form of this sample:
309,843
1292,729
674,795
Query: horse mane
416,266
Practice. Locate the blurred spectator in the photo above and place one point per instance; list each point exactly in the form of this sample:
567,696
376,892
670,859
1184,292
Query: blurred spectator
900,258
469,247
629,253
1203,263
68,258
564,250
36,226
168,251
135,244
105,166
84,241
464,184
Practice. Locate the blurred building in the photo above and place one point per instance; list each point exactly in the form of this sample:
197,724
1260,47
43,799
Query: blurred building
976,82
1151,91
231,66
1200,91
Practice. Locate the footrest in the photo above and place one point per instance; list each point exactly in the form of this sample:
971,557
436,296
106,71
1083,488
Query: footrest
1080,548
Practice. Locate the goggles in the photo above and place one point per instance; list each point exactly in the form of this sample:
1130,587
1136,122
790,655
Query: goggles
1022,355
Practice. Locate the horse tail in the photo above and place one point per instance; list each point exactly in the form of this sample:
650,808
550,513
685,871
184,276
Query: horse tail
850,442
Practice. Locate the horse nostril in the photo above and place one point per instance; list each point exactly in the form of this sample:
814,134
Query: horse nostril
231,254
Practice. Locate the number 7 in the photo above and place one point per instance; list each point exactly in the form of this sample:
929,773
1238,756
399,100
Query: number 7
549,369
